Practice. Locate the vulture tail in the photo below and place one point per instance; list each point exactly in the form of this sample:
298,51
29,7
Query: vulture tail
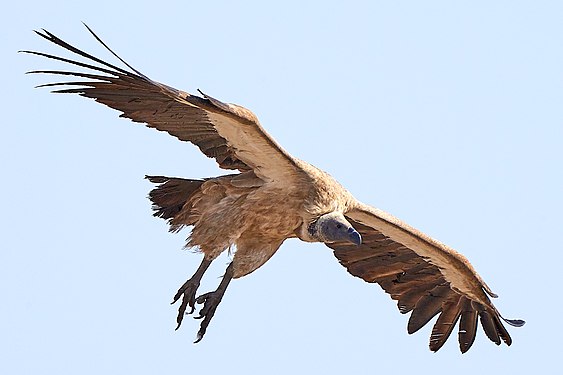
170,196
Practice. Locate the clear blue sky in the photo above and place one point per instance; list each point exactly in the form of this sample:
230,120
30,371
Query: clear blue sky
446,114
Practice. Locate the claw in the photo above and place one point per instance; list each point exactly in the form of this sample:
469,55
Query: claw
207,300
210,302
188,290
198,338
179,293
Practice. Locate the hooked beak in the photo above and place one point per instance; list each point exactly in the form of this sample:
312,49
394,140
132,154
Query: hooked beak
354,236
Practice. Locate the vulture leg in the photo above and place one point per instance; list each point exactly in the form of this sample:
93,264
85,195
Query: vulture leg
210,302
189,289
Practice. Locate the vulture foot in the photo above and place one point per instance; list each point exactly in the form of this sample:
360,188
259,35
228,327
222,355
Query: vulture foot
210,302
188,290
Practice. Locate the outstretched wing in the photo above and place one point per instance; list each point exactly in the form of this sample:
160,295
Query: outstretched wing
424,276
227,132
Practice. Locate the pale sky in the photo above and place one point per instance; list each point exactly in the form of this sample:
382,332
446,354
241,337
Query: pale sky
445,114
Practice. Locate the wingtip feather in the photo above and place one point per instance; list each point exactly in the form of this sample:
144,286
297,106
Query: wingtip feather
514,322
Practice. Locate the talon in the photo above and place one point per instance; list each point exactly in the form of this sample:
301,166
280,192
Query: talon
177,296
210,302
198,339
188,291
201,299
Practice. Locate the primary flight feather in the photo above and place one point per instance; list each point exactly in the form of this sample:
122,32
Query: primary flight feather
272,196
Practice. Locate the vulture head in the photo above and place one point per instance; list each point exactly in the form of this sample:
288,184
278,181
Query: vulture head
333,227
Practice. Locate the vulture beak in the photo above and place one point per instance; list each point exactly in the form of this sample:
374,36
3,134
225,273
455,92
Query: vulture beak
334,227
354,236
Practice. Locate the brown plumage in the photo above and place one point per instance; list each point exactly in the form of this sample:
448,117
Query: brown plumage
273,196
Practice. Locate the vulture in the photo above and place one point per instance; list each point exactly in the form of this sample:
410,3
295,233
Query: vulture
270,196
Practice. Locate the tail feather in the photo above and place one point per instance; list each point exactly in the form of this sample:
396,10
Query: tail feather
170,196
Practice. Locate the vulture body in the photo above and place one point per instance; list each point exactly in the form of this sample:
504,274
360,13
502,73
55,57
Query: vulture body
273,196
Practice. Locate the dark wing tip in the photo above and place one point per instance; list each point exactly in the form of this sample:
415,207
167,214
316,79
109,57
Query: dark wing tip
157,179
491,294
514,322
113,53
42,33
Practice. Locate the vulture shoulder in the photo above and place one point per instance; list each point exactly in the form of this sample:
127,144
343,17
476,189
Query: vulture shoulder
425,276
229,133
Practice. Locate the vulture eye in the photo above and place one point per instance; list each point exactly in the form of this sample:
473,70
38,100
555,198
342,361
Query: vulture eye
338,225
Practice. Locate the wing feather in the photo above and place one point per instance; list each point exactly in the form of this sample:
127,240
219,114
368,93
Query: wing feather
226,132
407,299
489,326
467,326
451,310
426,278
427,307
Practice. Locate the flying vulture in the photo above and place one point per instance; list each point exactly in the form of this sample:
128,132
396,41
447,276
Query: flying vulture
272,196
